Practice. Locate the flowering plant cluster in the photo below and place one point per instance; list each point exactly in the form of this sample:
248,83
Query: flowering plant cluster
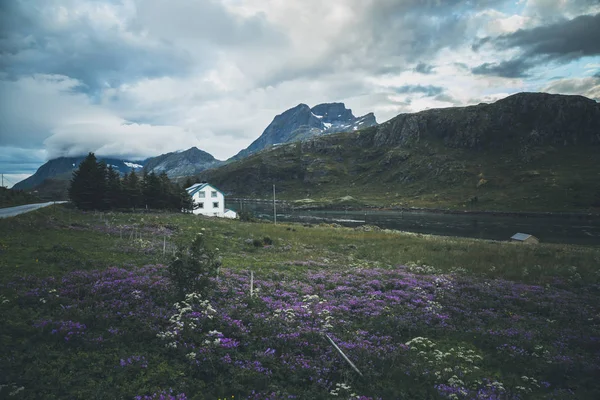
411,335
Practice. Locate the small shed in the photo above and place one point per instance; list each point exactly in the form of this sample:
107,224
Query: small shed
524,238
230,214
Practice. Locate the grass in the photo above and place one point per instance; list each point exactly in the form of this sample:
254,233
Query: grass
59,239
84,296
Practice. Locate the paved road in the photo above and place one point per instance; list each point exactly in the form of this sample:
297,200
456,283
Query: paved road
12,211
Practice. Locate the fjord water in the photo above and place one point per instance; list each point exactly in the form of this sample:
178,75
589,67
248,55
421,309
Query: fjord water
582,230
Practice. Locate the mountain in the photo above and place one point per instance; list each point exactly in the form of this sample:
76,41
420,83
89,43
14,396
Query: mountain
62,169
185,163
302,122
527,152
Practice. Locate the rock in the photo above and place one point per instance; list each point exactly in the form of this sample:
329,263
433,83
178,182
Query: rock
367,228
302,122
528,118
185,163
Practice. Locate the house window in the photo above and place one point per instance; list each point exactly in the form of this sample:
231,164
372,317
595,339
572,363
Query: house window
216,204
200,205
213,194
201,195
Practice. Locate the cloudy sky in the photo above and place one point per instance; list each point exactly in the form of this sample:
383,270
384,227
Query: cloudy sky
137,78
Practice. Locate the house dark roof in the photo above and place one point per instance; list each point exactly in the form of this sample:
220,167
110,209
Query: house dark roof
199,186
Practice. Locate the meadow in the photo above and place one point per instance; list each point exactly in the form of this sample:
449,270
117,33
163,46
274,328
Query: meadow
89,312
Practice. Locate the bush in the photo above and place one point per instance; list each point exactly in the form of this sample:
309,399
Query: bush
193,268
267,241
246,216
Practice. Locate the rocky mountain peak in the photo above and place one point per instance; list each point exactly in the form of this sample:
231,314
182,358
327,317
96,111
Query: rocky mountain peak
302,122
332,112
185,163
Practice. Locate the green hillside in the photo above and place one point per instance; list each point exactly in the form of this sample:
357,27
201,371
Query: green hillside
428,174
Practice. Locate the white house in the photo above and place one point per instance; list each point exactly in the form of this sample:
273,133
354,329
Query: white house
208,200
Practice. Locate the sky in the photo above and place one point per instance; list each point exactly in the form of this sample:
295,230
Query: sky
139,78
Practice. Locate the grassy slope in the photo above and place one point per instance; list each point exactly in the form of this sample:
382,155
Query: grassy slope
56,240
425,175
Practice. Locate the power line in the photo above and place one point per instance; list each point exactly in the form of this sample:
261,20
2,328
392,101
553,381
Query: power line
5,179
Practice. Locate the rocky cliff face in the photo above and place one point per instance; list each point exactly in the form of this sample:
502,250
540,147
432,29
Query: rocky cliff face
62,169
524,119
185,163
302,122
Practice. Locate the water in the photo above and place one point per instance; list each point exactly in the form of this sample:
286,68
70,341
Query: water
583,230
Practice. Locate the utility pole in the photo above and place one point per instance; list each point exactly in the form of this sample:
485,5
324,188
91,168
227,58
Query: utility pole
274,207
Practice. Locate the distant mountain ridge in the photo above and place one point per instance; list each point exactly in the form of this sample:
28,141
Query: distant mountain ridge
526,152
183,163
302,122
295,124
62,169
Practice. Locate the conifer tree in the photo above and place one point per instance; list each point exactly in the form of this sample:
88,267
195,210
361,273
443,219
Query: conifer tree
133,190
166,195
151,189
186,203
114,189
87,185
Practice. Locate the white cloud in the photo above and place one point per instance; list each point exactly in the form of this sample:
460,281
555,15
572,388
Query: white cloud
138,78
12,179
588,87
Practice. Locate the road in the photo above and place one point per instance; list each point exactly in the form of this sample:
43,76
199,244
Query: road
12,211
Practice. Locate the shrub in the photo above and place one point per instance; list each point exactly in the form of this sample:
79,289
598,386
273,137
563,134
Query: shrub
246,216
267,241
193,267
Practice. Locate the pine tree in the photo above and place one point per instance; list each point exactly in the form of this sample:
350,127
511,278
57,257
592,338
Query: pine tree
188,182
186,203
166,195
133,190
87,185
114,189
151,189
99,178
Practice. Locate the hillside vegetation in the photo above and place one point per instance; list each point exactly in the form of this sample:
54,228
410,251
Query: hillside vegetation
529,152
11,198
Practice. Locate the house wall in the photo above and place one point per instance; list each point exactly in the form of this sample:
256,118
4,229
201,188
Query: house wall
208,201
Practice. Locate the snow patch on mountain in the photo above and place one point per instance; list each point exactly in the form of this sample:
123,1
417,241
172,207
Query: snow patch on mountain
132,165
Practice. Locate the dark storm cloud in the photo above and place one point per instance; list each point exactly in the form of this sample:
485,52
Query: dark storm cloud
30,43
423,68
160,39
446,98
428,90
561,42
17,161
507,69
390,36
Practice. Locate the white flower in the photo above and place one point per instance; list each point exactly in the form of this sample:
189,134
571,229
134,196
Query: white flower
16,391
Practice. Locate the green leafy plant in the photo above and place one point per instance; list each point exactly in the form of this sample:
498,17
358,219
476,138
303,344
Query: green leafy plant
192,268
246,216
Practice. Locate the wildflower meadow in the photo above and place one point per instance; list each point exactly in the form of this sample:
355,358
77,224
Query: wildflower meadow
409,331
